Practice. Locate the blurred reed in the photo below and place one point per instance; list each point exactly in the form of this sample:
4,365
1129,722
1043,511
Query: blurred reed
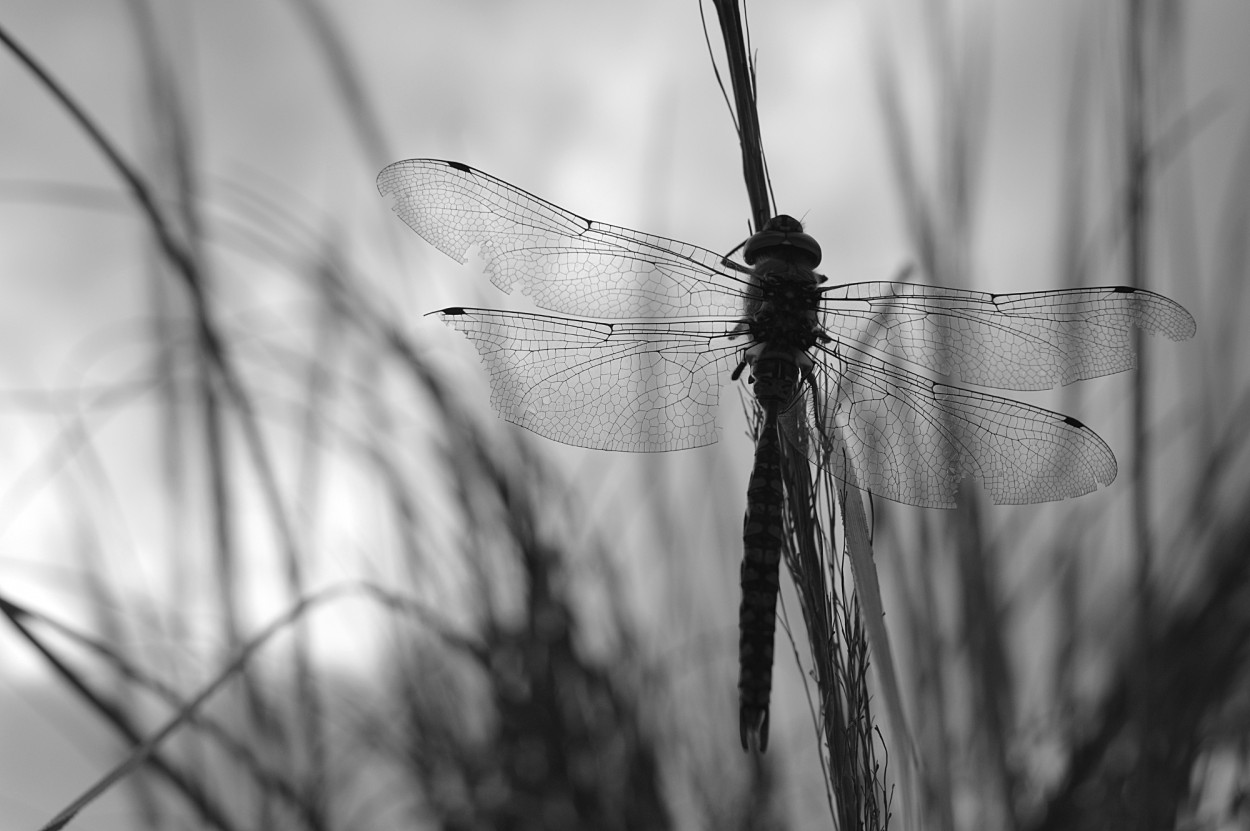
502,718
489,709
1138,747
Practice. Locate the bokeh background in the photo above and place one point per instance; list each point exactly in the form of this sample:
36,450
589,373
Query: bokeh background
493,616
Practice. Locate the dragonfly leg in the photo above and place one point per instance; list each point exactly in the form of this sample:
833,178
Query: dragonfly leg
738,267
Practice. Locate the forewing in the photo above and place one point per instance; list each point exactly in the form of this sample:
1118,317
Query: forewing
914,441
625,386
1031,341
563,262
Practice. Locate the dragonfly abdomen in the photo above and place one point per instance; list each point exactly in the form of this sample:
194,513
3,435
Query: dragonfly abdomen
763,535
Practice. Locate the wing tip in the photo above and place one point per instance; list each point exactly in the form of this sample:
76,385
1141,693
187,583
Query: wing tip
386,174
1177,326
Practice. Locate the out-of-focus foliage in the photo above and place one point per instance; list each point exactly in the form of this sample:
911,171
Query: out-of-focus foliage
243,426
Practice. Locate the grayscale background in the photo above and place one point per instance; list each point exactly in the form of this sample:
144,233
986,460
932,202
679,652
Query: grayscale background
152,525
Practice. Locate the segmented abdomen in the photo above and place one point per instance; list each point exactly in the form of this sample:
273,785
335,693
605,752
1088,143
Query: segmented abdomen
763,536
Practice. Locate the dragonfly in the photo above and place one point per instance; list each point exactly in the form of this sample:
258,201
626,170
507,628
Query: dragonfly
648,331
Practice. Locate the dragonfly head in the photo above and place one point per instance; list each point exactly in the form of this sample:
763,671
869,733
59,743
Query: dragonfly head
783,238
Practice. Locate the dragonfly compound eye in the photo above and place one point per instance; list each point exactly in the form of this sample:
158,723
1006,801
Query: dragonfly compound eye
783,237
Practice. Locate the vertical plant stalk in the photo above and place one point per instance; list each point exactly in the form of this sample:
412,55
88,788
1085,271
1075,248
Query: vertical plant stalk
836,637
742,81
1137,208
1137,213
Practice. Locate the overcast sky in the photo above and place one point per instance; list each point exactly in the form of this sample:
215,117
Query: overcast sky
608,109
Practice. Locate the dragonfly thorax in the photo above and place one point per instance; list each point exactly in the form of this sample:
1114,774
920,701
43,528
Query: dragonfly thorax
782,321
781,305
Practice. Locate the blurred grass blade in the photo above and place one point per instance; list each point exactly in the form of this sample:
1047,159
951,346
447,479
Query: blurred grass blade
144,750
872,610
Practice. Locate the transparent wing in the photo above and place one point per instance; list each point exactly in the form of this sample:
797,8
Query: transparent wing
625,386
1031,341
914,441
564,262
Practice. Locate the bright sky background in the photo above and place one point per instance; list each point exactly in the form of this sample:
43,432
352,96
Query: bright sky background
608,109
